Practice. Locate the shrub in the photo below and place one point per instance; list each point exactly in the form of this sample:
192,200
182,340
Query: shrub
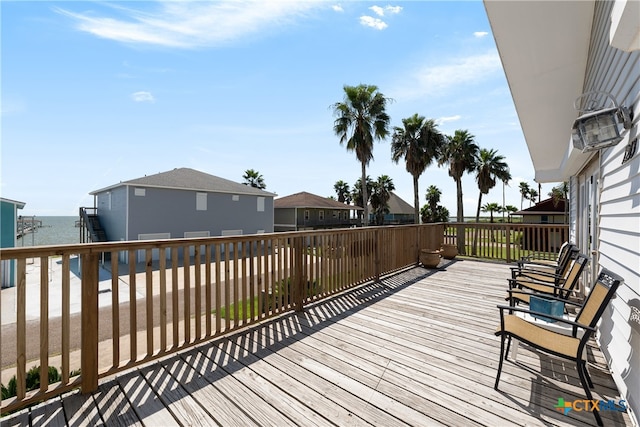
32,380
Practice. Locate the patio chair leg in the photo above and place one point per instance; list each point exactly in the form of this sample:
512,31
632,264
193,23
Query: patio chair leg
586,374
500,363
506,353
582,373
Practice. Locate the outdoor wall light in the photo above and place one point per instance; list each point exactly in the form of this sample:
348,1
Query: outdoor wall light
604,127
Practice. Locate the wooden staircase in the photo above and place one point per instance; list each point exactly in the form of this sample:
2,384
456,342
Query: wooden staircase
92,230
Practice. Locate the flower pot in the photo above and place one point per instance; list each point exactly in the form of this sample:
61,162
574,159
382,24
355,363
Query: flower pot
449,251
429,258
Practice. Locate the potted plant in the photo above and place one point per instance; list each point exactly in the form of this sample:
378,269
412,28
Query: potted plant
430,258
449,251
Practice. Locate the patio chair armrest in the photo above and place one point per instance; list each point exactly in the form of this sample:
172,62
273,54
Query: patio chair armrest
553,297
534,274
573,323
550,288
537,262
515,283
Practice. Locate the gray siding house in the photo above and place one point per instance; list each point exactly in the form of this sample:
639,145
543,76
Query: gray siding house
8,238
552,53
306,211
182,203
400,212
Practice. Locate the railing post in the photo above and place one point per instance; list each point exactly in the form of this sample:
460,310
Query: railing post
419,243
298,291
377,255
89,327
508,242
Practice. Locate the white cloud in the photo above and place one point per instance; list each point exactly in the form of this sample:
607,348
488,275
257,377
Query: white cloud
337,8
442,120
370,21
377,10
191,24
393,9
437,79
480,34
142,96
380,11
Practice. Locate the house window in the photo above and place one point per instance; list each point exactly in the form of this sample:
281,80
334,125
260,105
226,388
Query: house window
544,219
321,215
140,192
201,201
336,215
260,204
346,214
306,215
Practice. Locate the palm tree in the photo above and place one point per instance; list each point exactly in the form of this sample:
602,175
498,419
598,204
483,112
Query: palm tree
460,153
420,143
362,118
441,214
524,192
491,208
253,179
356,194
380,196
433,198
489,167
510,209
533,195
343,191
558,193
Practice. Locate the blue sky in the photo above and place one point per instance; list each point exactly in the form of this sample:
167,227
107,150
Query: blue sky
94,93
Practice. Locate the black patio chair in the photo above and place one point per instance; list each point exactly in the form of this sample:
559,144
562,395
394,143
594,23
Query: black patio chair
521,289
568,346
546,267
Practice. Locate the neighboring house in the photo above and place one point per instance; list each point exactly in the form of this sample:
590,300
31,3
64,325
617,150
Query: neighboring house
545,212
8,238
182,203
306,211
585,46
400,212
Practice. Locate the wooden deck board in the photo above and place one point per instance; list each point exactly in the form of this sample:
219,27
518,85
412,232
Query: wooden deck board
48,414
143,399
80,410
417,348
115,409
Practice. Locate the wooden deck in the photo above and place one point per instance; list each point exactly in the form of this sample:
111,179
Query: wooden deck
415,349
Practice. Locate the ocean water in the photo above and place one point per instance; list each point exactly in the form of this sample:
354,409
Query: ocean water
55,230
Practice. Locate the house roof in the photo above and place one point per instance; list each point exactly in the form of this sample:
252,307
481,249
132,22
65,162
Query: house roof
190,179
397,206
545,207
19,205
308,200
546,72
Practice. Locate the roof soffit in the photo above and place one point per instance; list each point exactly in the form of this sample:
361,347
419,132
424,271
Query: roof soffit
544,47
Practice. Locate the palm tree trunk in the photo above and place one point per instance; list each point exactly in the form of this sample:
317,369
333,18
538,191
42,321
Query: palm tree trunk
365,198
416,201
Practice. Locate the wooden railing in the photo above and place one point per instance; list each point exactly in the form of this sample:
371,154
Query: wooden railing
506,241
92,310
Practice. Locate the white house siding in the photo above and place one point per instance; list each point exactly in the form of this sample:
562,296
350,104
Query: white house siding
618,72
573,208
